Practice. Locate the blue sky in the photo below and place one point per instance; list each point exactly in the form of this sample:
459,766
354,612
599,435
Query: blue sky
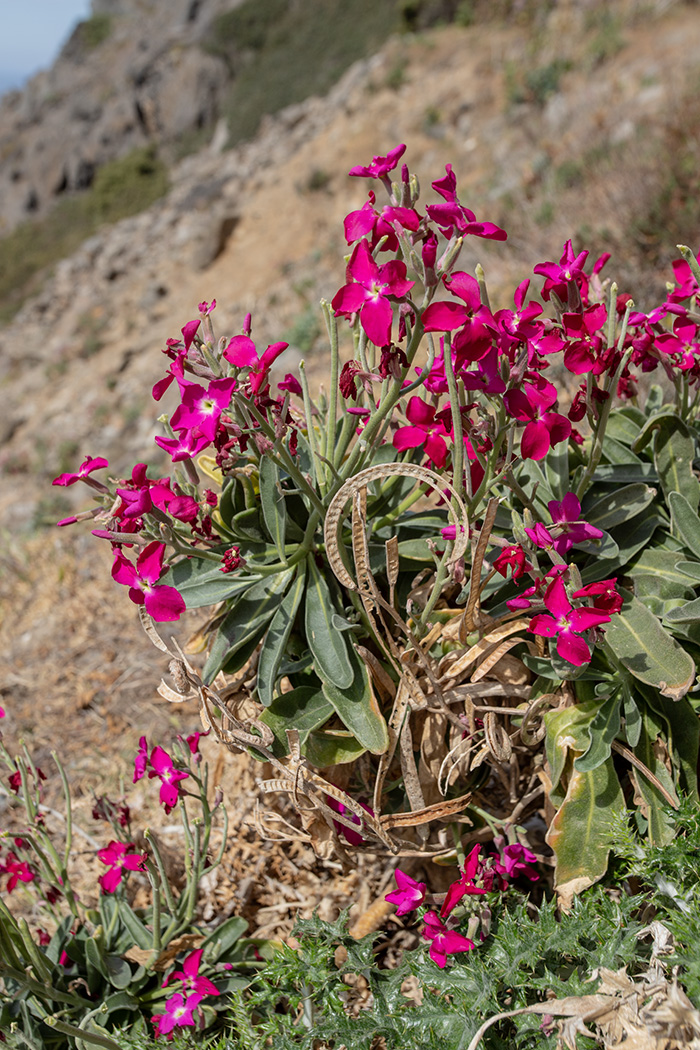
31,34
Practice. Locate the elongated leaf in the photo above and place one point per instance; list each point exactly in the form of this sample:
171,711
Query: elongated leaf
332,748
581,834
664,587
603,730
630,538
358,709
674,451
685,521
641,644
654,422
655,806
633,716
568,730
625,473
531,474
657,562
252,611
620,506
223,937
624,428
683,733
201,582
684,613
303,709
275,644
330,648
690,568
557,467
273,504
617,452
142,937
119,972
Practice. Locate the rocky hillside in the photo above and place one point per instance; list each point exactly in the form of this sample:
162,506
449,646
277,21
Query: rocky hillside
559,127
131,74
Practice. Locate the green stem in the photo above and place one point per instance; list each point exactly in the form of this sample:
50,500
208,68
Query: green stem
316,466
169,899
69,812
80,1033
332,327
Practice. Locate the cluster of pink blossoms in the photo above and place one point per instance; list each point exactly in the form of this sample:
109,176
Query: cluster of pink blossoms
182,1007
480,875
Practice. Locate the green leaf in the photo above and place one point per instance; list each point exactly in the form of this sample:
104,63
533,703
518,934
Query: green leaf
685,522
603,730
684,613
332,748
655,806
617,452
557,467
631,539
683,734
201,582
330,648
624,473
223,938
246,620
640,643
246,525
357,708
632,714
620,506
581,833
531,474
275,643
142,937
690,568
674,451
567,729
273,504
653,423
657,562
304,709
624,429
119,972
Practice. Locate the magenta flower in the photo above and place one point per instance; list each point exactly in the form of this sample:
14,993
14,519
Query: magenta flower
201,409
544,429
17,870
367,292
426,430
241,353
120,857
141,760
466,885
566,624
190,977
566,517
163,603
559,276
85,468
163,768
516,860
444,942
368,221
473,340
179,1013
604,594
452,215
409,895
187,444
584,347
512,557
380,166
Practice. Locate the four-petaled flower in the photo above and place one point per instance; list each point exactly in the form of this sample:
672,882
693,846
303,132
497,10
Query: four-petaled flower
179,1013
120,857
162,602
367,292
566,624
190,977
163,768
444,942
84,470
409,895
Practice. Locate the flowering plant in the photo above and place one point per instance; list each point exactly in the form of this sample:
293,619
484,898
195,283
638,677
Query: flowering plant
481,536
110,962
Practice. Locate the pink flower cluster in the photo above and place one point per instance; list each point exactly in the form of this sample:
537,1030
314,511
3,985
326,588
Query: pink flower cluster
180,1009
480,875
162,768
